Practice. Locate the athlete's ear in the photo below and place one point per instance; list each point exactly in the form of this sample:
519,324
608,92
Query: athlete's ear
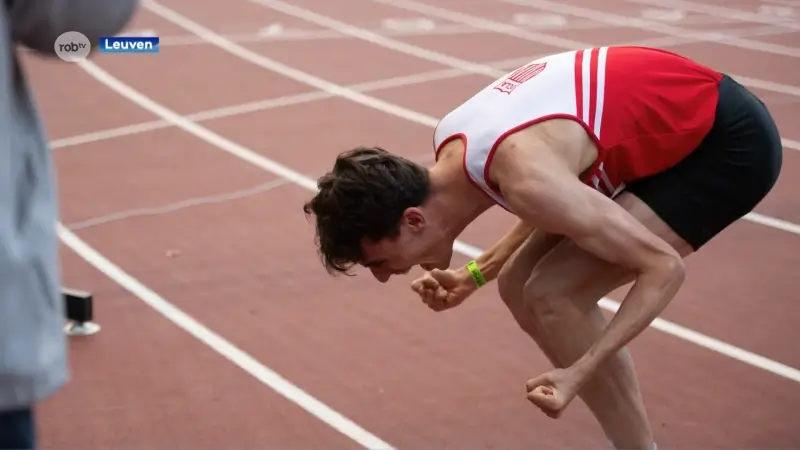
414,219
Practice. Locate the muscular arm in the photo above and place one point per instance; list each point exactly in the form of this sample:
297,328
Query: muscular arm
37,23
544,190
493,259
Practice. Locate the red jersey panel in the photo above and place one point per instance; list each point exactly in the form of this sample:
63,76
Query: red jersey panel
646,109
658,107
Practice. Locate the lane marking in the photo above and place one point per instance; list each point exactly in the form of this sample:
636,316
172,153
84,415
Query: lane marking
405,27
272,103
222,346
768,85
179,205
287,35
404,24
777,11
719,38
663,15
279,33
147,32
369,36
539,20
382,41
292,176
102,135
272,30
567,44
783,2
770,15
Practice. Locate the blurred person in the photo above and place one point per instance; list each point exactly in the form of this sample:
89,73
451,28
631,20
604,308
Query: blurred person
33,351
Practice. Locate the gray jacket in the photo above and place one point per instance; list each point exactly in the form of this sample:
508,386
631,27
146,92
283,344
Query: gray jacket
33,352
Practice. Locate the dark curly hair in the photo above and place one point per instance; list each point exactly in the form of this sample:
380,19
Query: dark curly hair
364,196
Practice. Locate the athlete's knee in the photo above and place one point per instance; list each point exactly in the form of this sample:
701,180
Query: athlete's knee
509,284
511,287
542,298
514,273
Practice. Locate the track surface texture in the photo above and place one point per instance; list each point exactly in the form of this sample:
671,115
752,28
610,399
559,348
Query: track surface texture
182,177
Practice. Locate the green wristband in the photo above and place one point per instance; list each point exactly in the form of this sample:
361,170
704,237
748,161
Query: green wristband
475,271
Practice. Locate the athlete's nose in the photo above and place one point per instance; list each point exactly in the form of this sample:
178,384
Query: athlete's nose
381,275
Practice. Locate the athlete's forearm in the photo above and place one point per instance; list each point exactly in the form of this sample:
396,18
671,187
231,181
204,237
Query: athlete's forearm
650,294
494,258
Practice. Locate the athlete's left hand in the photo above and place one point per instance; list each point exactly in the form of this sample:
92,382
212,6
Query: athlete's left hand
553,391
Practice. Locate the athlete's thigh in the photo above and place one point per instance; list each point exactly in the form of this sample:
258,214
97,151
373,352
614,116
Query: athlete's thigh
568,272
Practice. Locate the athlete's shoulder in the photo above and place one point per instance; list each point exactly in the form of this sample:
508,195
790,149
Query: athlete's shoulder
448,127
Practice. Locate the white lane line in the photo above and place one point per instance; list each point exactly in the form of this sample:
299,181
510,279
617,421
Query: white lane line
263,105
399,46
222,346
102,135
569,44
307,183
177,206
722,12
274,33
616,19
788,143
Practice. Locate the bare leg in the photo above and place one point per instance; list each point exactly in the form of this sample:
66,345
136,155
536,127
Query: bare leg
511,283
570,321
560,312
618,407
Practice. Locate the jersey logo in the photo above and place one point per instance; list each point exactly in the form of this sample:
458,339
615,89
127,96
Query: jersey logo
520,76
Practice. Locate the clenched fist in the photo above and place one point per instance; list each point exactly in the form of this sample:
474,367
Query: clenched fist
444,289
553,391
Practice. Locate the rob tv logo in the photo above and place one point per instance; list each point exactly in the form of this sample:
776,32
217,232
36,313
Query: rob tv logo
73,46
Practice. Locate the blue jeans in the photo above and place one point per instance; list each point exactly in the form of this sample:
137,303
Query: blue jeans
17,430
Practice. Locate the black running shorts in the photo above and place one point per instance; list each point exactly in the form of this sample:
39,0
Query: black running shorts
729,173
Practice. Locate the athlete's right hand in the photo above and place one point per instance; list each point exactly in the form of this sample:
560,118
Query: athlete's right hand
444,289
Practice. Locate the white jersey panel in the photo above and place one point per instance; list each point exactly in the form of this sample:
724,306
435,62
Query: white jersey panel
556,85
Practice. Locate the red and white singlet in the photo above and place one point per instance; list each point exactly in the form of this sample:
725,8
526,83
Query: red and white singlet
646,109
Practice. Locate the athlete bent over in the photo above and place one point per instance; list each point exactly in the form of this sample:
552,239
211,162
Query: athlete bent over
618,161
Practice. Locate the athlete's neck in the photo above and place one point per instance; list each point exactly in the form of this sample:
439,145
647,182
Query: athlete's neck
454,202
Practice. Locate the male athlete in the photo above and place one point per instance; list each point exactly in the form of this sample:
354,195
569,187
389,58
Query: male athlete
618,161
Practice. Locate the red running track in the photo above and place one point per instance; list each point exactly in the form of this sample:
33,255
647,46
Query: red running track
198,227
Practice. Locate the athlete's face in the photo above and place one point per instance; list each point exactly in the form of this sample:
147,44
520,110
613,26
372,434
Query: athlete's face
419,242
